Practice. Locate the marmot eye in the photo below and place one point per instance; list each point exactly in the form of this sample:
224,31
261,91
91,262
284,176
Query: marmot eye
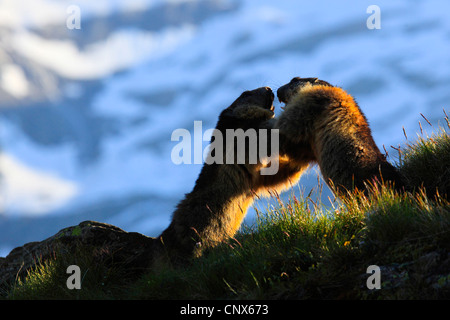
295,79
246,94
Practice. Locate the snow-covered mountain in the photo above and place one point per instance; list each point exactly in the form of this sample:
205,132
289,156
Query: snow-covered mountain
86,115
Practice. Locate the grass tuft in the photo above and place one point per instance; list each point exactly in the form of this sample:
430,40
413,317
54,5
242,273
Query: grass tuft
300,249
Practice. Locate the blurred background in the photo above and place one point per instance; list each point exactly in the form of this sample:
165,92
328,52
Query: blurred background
86,114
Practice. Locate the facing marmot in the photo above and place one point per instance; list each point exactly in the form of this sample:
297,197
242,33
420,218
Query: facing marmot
329,122
223,192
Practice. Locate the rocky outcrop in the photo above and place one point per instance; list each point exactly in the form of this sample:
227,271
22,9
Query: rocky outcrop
109,244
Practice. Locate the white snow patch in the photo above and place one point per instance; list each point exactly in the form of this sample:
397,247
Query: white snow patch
121,50
14,81
31,192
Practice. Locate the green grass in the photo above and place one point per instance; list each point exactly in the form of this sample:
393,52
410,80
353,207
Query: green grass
426,162
300,249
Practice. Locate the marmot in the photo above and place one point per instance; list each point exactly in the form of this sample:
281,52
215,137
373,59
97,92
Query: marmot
327,120
223,192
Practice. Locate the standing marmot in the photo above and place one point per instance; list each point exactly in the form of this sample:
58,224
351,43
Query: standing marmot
328,120
216,207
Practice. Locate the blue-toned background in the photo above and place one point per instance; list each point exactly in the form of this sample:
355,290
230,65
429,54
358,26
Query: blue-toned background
86,115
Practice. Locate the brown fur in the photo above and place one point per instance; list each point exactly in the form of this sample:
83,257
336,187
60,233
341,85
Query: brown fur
327,121
321,123
217,205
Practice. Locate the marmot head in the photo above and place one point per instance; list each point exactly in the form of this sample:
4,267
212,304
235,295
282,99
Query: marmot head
253,104
286,92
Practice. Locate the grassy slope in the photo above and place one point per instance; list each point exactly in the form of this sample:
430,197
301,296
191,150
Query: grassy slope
301,250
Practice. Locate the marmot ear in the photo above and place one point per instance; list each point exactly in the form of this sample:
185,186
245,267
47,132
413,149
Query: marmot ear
322,82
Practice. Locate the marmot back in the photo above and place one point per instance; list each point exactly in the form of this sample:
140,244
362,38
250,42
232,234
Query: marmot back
330,121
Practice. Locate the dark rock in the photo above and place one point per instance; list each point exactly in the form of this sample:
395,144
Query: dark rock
108,243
